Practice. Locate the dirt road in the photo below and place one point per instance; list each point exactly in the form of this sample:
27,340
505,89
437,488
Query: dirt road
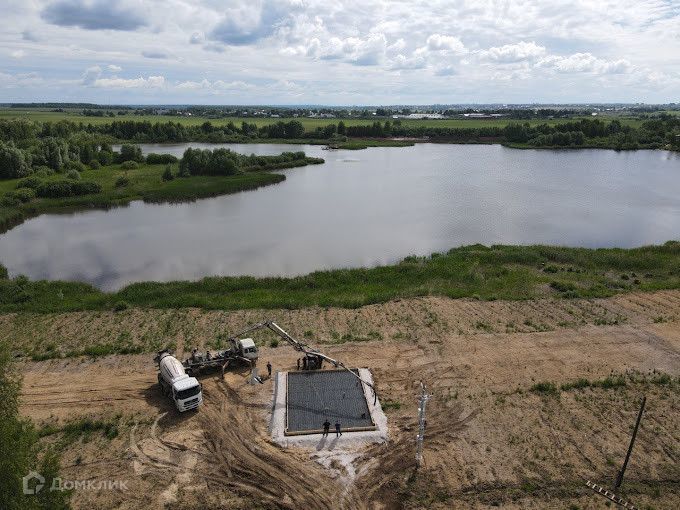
490,441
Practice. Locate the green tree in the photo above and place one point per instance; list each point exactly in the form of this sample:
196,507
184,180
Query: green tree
20,451
221,162
13,162
129,152
167,174
515,132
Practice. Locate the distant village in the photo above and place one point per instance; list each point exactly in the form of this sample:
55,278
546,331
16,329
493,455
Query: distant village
432,112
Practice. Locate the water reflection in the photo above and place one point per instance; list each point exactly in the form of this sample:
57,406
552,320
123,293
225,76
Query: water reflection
363,208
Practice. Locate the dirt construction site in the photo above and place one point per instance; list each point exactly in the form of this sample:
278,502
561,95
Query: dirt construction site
530,399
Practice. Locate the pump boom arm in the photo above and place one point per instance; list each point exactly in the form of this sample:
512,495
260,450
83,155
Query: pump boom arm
300,347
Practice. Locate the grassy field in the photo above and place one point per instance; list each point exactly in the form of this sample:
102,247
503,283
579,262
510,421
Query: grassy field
44,115
499,272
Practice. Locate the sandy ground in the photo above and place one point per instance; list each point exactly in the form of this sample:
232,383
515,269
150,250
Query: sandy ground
490,441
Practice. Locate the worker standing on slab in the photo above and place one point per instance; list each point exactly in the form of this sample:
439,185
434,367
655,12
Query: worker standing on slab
269,369
337,429
326,428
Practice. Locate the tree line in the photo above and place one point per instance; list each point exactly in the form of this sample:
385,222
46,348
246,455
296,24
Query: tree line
27,146
227,162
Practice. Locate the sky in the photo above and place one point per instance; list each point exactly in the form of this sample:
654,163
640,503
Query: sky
339,52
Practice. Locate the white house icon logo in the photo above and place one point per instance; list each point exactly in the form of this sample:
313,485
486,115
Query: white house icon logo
40,482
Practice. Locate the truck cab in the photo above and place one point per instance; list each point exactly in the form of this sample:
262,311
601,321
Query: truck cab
175,383
187,394
247,348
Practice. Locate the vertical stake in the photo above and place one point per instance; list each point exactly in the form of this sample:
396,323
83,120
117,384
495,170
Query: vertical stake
422,402
619,478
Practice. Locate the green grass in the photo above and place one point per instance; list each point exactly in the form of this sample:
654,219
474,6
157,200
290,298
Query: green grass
145,183
497,272
617,381
83,428
546,388
310,124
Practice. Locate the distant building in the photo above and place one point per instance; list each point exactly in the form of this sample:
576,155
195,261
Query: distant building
483,115
419,116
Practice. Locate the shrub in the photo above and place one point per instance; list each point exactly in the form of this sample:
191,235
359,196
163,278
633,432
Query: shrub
29,182
167,174
60,189
22,194
122,181
14,291
43,171
544,387
611,382
562,286
129,165
95,165
105,157
55,189
129,152
86,188
3,272
8,200
73,165
159,159
74,175
120,306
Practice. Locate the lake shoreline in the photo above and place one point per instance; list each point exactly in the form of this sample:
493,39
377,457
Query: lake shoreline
185,189
338,215
360,143
478,272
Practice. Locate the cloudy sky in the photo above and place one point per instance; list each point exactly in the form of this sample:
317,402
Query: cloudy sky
339,52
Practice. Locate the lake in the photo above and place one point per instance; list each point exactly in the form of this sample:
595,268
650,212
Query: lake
362,208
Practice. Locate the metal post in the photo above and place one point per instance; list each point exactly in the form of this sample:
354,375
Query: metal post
619,478
422,402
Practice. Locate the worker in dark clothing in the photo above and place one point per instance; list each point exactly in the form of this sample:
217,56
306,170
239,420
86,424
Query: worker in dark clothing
337,429
269,369
326,428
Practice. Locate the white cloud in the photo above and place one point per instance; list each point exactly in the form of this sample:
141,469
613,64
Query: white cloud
585,63
437,42
514,52
133,83
215,85
403,62
365,51
547,49
91,74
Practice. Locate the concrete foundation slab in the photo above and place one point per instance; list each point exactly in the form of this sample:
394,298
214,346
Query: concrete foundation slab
314,396
313,400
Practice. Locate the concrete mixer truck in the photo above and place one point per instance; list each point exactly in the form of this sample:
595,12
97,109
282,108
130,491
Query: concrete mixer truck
185,391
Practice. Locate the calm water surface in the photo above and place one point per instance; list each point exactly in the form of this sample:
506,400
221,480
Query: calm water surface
362,208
